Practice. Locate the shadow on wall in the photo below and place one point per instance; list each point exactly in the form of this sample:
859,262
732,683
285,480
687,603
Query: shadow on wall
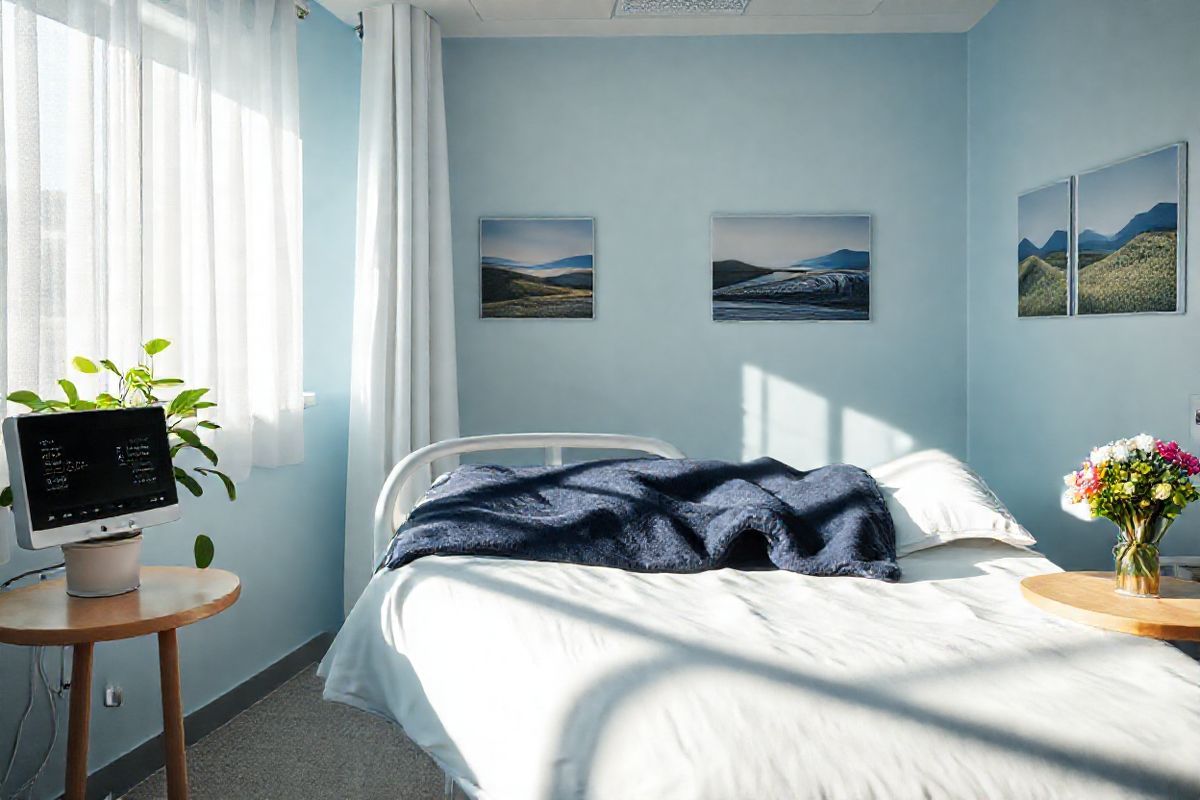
803,429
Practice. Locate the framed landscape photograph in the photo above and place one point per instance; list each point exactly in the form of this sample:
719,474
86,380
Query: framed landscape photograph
1044,251
791,267
536,267
1130,242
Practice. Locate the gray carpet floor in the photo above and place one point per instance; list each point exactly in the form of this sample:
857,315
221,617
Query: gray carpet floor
293,744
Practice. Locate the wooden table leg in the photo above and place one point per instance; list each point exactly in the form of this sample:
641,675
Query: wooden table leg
81,715
172,705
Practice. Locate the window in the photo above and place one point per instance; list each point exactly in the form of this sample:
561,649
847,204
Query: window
150,187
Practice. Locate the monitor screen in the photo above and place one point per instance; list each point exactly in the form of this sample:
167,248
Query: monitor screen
90,465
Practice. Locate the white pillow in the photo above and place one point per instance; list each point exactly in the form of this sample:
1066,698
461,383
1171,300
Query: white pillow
934,498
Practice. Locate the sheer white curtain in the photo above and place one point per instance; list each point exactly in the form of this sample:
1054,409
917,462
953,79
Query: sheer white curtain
150,187
404,392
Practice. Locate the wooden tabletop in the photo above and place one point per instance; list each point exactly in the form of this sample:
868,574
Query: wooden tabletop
1089,597
169,597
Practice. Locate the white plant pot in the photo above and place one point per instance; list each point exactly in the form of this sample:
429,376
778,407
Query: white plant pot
103,568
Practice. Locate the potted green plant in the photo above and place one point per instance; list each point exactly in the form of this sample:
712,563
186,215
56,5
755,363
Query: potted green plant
140,385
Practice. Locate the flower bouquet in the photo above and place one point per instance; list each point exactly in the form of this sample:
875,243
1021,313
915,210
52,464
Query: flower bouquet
1142,484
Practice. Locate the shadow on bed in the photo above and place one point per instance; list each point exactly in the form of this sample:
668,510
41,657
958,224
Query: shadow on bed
582,728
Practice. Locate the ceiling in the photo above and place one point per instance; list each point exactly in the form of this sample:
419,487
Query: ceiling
605,17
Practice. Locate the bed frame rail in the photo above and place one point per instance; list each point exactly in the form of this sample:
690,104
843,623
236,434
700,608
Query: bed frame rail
389,513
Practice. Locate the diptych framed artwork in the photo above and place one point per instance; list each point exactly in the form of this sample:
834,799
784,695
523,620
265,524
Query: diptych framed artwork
536,267
1044,251
791,267
1109,241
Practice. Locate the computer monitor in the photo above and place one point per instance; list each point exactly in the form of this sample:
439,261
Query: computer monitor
80,475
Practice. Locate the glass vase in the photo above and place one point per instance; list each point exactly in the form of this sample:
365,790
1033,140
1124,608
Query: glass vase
1137,568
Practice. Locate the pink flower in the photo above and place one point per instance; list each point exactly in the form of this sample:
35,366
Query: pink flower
1172,453
1087,483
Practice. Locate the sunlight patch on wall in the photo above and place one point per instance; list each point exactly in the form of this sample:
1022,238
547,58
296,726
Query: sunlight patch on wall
867,441
783,420
805,430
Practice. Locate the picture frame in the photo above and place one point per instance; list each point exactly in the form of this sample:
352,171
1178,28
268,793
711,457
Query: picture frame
1045,250
1131,235
537,267
791,267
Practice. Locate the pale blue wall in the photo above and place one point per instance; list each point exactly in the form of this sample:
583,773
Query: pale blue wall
284,535
1059,86
650,137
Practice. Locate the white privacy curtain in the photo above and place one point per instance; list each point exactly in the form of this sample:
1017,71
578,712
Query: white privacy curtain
404,392
150,187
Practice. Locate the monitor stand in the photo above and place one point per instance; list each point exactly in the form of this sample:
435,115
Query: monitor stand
104,567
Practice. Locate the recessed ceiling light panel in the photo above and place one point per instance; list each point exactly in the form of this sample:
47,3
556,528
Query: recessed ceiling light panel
542,10
680,8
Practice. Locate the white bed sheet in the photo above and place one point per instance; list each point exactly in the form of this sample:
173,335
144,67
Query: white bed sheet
531,680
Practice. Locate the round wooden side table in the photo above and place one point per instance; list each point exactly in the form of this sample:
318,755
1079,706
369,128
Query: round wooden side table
169,598
1089,597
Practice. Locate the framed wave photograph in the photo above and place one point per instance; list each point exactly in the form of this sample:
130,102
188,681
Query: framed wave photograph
1044,251
791,267
536,267
1131,235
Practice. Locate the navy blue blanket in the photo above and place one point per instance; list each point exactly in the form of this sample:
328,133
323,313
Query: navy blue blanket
658,515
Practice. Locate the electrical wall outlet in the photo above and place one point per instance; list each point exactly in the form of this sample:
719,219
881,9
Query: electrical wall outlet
1194,417
113,696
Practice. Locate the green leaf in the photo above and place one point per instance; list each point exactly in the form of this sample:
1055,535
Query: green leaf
110,366
106,400
204,404
188,436
56,405
230,489
85,365
27,398
155,346
188,482
138,376
70,391
208,453
204,423
83,405
204,550
185,401
167,382
204,449
6,499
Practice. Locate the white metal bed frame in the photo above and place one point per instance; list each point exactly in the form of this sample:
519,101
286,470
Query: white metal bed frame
388,511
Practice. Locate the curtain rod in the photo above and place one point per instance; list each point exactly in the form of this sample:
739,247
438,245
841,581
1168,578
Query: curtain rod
302,11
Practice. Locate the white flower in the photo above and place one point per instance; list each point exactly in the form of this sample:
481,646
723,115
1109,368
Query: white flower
1143,442
1069,480
1119,450
1101,454
1161,491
